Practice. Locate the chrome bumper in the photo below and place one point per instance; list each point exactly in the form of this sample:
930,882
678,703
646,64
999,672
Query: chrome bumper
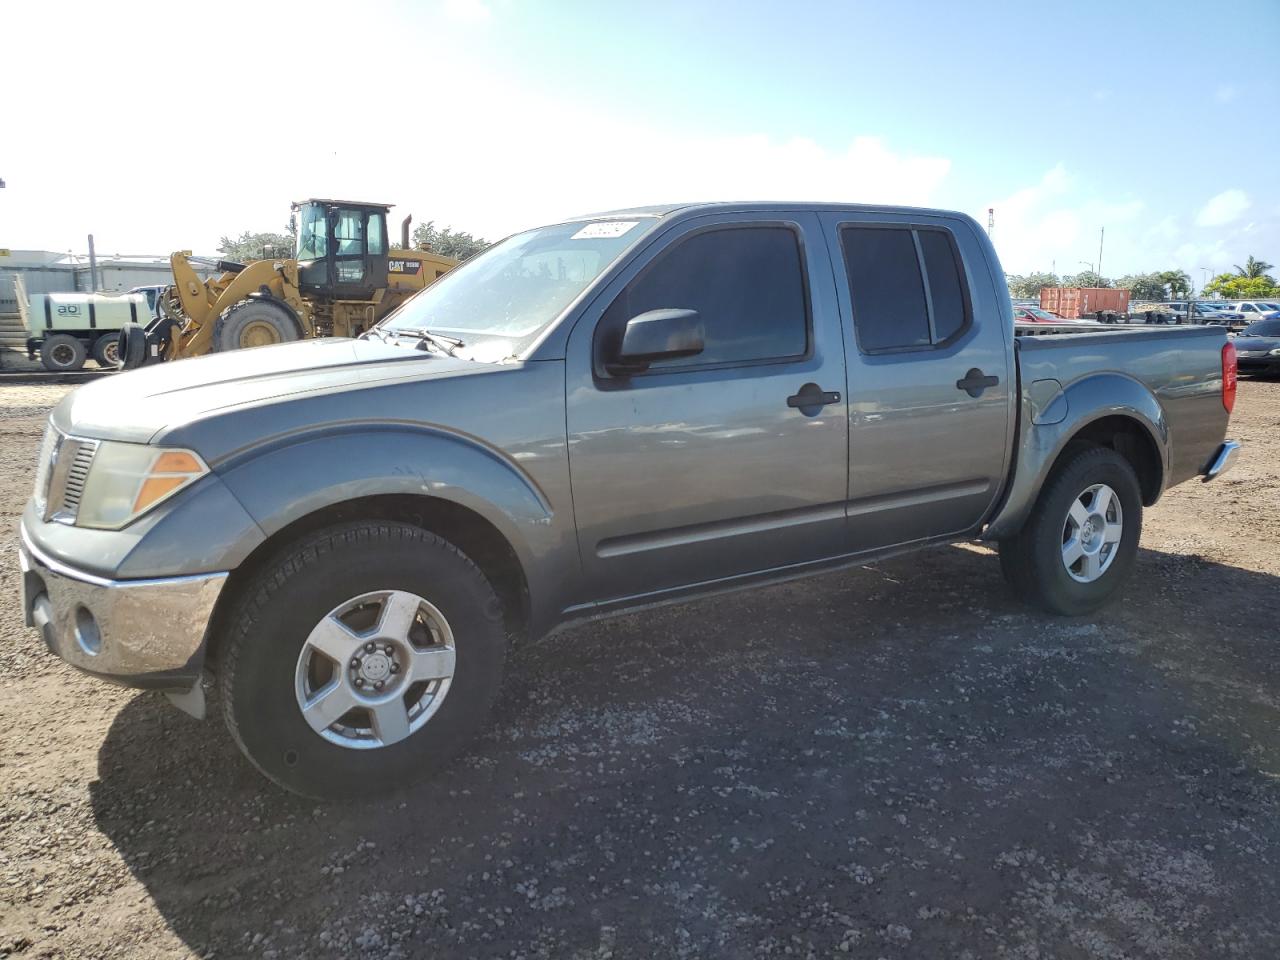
141,633
1222,461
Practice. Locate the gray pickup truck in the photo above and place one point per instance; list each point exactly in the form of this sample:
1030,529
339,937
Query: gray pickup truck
590,417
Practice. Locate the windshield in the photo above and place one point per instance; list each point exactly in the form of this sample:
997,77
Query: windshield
513,290
1262,328
313,232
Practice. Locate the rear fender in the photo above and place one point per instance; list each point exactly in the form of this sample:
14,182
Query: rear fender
1086,401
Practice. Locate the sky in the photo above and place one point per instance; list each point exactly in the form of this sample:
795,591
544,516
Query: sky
165,126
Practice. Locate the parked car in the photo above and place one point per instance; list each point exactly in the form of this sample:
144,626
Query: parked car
1034,315
1176,311
587,418
1258,347
1251,310
1201,312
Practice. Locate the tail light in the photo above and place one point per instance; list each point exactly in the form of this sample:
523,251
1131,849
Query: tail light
1229,376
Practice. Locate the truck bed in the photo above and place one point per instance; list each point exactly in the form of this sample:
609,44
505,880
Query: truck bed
1181,366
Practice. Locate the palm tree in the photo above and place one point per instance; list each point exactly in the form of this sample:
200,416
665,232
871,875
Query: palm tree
1254,268
1178,282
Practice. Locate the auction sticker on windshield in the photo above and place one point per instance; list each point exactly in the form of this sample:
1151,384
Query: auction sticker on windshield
605,228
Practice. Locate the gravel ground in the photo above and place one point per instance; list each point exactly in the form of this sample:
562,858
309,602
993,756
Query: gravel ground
894,761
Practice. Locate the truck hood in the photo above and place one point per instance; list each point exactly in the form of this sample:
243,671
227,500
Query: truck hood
135,406
1255,343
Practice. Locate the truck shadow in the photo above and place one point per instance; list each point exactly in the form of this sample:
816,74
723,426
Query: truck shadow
905,743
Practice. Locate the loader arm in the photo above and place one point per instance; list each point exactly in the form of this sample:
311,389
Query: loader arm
204,301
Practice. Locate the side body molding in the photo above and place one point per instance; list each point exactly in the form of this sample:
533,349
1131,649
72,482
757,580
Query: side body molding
1087,400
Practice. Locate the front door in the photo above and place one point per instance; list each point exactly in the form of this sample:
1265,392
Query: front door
732,461
931,383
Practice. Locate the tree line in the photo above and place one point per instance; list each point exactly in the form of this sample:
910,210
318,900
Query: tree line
1250,280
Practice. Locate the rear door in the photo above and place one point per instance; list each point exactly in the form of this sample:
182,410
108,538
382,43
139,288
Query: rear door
713,466
931,383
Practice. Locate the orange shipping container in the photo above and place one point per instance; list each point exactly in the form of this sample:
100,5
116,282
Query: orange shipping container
1072,303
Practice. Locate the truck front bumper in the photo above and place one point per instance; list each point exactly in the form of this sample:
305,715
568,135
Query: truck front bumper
140,633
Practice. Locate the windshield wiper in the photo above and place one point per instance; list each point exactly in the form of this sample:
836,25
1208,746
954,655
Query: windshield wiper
425,336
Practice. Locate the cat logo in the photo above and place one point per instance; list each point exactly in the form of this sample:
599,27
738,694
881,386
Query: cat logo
403,267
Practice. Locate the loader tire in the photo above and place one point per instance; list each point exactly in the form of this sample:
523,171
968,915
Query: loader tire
253,323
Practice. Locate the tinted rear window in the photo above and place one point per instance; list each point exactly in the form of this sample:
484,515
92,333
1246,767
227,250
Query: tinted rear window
888,293
887,288
1263,328
944,283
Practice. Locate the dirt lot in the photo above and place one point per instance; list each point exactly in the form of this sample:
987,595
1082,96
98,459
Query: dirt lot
899,760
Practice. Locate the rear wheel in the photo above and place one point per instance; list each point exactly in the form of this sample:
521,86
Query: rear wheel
62,353
1080,542
361,659
106,350
253,323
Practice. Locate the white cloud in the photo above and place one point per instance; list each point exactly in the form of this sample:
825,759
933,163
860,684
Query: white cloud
493,162
467,11
1047,225
1227,206
1056,221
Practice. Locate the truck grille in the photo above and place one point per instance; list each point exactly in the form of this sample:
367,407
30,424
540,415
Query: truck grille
77,474
68,469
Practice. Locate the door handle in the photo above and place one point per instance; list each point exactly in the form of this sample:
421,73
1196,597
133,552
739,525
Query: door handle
975,382
812,396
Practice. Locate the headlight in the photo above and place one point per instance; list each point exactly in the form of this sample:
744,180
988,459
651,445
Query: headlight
128,479
1276,352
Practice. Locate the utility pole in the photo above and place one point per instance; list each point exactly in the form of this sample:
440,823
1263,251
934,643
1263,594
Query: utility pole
93,267
1204,282
1101,234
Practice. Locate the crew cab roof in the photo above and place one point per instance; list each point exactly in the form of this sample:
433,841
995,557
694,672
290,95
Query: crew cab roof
755,206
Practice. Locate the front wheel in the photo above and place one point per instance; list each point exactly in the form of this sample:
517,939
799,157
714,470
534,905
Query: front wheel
254,323
361,659
1080,542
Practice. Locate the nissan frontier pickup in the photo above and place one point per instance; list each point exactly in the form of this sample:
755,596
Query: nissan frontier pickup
589,417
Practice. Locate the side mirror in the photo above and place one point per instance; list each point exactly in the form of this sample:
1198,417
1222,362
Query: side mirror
665,334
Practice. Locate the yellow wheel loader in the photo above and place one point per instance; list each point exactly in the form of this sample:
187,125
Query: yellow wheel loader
343,278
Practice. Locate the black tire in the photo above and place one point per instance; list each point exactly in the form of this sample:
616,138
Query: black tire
1032,560
62,353
131,346
254,323
106,351
270,621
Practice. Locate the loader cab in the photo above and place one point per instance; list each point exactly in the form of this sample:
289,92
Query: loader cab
342,248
